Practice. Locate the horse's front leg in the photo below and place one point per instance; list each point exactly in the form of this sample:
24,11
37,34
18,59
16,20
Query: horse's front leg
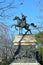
14,25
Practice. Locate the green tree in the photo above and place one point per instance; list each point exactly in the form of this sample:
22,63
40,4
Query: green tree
39,37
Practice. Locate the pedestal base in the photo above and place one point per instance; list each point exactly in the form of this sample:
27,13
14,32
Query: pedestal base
24,64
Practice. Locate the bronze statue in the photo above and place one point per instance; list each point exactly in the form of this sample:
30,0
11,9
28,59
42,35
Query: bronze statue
23,19
21,23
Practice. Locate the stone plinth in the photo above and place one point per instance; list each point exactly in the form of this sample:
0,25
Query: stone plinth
24,46
24,64
24,40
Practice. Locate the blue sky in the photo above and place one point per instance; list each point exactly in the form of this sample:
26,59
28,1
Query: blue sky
30,8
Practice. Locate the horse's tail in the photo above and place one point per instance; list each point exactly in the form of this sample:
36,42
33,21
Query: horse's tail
32,24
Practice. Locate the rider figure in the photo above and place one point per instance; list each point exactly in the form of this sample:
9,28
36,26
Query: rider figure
23,19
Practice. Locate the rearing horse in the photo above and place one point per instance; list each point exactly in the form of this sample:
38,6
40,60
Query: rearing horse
21,24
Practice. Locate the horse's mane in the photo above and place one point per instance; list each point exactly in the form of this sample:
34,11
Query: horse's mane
18,18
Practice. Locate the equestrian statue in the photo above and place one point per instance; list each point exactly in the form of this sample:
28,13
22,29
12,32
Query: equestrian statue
21,23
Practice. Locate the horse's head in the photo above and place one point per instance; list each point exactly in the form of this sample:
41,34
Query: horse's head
16,17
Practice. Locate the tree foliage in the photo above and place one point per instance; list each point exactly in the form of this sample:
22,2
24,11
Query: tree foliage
40,52
7,6
6,43
39,37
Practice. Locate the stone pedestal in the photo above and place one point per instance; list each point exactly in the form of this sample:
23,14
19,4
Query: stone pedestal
24,40
24,46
